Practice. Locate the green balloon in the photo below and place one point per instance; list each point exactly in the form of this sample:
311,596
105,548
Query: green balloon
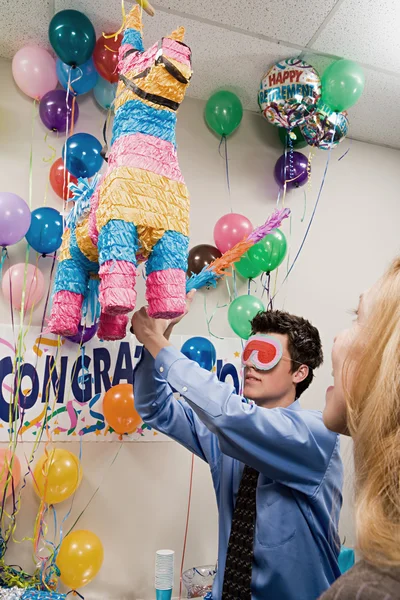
297,142
246,268
342,84
241,312
268,254
72,37
223,112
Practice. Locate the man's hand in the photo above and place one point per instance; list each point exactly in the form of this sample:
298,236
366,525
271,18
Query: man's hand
144,327
173,322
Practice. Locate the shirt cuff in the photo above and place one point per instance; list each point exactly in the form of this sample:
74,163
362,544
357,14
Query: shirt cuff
165,359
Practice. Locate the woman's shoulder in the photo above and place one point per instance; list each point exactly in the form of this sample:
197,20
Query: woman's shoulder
366,582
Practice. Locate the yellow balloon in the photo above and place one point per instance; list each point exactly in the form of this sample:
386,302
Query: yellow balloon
57,475
80,558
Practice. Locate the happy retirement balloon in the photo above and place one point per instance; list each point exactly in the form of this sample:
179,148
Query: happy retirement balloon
289,92
325,129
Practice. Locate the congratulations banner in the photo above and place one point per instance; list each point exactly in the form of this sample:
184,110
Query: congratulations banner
60,387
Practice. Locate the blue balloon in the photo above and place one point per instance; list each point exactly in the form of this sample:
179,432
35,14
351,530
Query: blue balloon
44,234
82,155
82,79
104,92
201,351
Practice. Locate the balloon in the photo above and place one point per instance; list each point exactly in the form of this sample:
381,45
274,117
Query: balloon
292,168
289,92
201,350
59,179
6,460
270,252
34,71
57,475
82,155
15,218
119,409
13,285
246,268
81,79
44,234
72,37
84,334
223,112
231,229
105,57
296,136
325,128
104,93
80,558
200,256
342,84
55,110
241,312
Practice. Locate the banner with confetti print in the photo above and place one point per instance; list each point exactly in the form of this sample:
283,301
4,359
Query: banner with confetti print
60,386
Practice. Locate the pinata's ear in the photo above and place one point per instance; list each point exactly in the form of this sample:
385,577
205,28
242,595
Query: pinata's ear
134,19
178,34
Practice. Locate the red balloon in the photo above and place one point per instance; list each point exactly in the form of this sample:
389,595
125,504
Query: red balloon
105,57
59,179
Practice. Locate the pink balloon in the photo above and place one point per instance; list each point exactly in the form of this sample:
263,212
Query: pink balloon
231,229
13,285
34,71
5,463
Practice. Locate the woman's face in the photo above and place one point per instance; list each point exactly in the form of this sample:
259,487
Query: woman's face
335,407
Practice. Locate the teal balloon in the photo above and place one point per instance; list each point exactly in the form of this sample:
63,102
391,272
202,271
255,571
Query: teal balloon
223,112
246,268
297,138
72,37
270,252
45,231
342,85
104,93
241,312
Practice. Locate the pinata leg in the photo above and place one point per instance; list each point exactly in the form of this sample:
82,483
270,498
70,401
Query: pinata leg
118,243
112,327
70,288
166,276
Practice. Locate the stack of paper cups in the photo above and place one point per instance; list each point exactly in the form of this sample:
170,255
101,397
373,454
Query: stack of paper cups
164,581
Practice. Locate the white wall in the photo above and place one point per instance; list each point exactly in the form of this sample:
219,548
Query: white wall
141,504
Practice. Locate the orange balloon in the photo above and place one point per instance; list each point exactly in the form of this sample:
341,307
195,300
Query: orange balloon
57,475
119,409
5,468
80,558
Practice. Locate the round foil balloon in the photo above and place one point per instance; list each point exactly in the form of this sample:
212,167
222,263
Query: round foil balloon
289,92
325,128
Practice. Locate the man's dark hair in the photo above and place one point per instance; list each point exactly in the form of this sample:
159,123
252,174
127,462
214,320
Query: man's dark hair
304,343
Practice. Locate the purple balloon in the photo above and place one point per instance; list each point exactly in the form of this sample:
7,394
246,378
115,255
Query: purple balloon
292,168
56,111
84,334
15,218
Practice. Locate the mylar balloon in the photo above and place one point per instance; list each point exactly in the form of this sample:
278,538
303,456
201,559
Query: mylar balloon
55,110
342,84
292,168
325,129
241,312
200,350
80,558
200,256
60,178
80,79
104,93
270,252
119,409
15,218
72,37
105,57
45,231
289,92
57,475
246,268
223,112
82,154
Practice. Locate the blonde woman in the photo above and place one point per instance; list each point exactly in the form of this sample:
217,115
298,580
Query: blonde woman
365,403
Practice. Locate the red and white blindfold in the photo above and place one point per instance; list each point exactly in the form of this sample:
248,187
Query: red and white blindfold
263,352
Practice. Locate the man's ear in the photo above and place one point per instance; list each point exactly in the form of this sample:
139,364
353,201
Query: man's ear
300,374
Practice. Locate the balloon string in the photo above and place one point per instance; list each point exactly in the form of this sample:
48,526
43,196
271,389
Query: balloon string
2,260
186,527
209,319
347,151
53,150
224,141
304,211
120,30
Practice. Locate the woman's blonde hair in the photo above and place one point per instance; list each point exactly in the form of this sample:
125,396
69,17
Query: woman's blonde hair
372,392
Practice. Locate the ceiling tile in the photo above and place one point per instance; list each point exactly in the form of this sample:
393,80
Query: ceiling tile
23,23
366,31
288,20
